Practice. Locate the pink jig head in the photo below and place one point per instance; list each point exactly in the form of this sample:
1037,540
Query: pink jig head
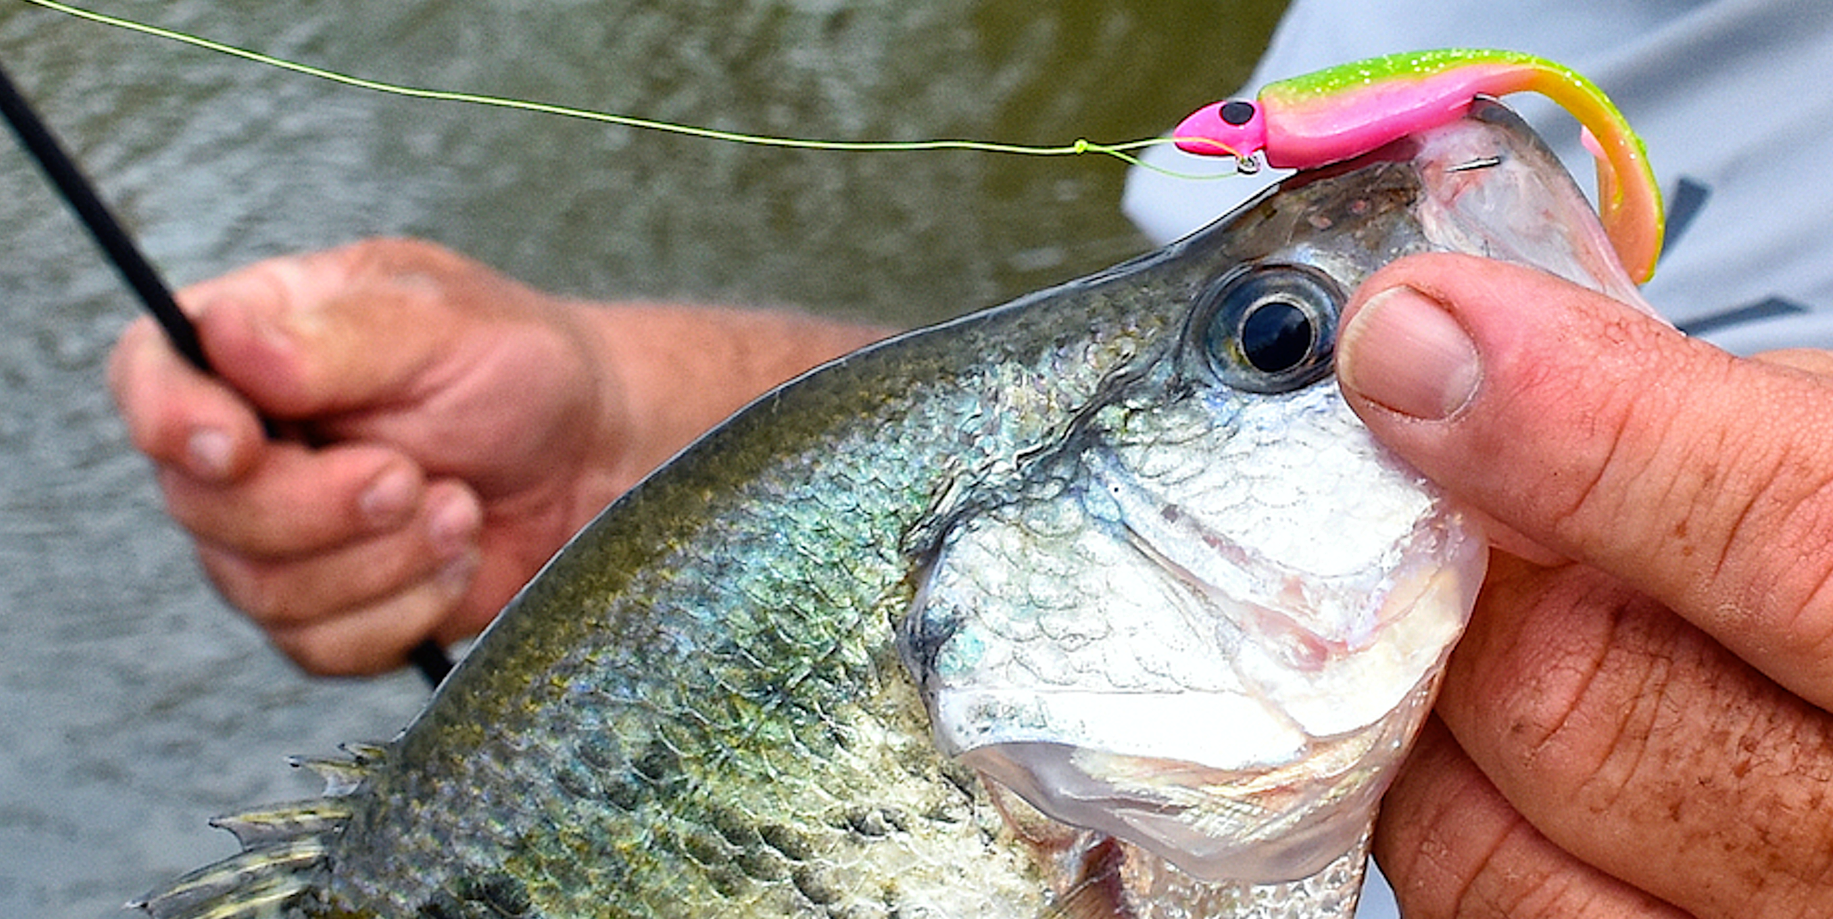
1346,111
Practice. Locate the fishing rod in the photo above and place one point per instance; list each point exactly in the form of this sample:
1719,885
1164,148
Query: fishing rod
427,657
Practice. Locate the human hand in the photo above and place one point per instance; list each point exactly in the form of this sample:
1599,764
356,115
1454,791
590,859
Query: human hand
1642,730
448,429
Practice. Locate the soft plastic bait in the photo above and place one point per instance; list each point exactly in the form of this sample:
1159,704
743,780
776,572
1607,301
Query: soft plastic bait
1348,110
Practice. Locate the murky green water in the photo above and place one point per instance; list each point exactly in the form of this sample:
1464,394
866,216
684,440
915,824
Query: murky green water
131,704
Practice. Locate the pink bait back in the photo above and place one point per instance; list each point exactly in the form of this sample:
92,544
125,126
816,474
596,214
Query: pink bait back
1346,111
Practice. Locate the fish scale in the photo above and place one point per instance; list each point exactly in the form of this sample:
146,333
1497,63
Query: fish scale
953,627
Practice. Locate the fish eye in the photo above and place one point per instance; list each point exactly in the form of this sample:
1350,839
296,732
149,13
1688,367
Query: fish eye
1269,329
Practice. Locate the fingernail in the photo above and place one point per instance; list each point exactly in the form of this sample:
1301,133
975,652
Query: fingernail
455,576
1403,351
388,497
452,523
208,453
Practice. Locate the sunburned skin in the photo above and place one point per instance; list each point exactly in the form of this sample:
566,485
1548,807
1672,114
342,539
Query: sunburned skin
1348,110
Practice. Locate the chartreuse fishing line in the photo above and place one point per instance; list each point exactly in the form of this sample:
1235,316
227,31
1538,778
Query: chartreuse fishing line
1122,151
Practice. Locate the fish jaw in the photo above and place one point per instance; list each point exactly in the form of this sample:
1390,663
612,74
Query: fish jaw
1516,204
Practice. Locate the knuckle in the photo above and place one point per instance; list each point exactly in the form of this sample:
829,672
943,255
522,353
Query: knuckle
1787,505
185,503
1762,519
1630,456
1572,893
1677,476
125,361
140,401
358,642
1579,704
261,591
310,652
389,254
1628,722
216,517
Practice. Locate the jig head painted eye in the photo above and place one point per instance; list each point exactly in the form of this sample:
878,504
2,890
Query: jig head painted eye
1233,127
1345,111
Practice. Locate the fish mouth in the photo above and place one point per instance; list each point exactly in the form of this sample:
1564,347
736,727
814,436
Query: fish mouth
1136,652
1513,201
1258,754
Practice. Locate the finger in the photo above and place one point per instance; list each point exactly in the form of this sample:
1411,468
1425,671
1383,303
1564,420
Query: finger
439,541
326,332
297,500
1452,846
370,639
1600,433
175,414
1632,740
1809,359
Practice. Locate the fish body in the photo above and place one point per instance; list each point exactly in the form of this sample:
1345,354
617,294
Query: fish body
1099,603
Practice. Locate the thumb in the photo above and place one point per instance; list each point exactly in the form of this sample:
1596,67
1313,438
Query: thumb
1698,478
327,332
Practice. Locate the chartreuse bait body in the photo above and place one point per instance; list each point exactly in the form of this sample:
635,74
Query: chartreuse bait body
1348,110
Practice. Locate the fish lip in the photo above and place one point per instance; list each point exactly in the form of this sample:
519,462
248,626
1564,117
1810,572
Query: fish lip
1272,825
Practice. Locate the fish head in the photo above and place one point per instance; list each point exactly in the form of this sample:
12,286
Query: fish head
1208,619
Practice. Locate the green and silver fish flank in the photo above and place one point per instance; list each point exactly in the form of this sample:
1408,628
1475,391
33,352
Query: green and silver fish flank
1100,603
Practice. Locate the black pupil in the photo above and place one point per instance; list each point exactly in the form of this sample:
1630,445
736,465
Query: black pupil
1276,336
1237,112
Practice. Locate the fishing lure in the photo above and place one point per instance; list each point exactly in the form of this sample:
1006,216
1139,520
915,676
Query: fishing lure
1348,110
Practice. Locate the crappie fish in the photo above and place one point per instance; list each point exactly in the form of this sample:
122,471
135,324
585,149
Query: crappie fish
1099,604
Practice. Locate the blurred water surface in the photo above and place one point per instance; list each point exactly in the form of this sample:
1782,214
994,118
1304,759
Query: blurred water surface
132,705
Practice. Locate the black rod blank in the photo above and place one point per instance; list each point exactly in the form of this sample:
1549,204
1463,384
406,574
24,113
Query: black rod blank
428,656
